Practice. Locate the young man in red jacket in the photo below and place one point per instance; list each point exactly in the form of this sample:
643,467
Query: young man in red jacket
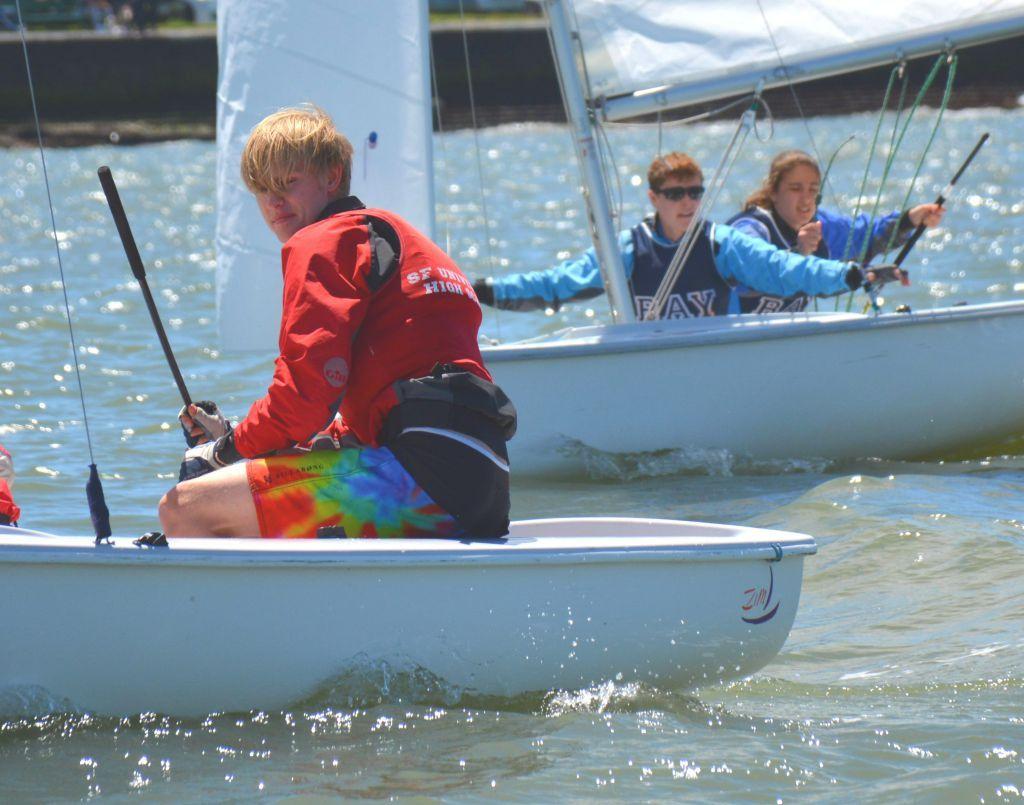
378,326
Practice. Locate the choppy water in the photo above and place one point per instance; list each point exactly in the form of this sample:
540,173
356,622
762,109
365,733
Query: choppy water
903,674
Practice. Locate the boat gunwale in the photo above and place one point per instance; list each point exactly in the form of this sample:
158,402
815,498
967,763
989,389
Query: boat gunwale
595,340
41,548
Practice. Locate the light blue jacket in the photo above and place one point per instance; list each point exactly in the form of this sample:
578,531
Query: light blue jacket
836,233
739,258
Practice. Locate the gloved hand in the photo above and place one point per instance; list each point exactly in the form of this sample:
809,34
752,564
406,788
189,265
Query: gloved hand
877,276
6,467
209,456
874,277
202,422
484,292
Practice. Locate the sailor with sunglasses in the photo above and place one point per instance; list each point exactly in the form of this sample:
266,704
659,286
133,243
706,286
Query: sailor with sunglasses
722,261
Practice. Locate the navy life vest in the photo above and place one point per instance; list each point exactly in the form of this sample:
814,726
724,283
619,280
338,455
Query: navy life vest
699,291
782,237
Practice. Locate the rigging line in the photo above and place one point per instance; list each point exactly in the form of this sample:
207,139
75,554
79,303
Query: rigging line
436,103
905,75
476,149
53,224
769,115
98,511
871,156
745,100
891,160
611,168
947,93
792,91
899,70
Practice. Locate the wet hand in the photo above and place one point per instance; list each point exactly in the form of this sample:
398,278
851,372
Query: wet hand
808,238
928,214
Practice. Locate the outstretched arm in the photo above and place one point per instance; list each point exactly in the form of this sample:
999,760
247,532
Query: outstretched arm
761,266
579,278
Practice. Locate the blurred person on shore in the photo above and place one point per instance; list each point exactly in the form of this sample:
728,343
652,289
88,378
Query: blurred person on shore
101,14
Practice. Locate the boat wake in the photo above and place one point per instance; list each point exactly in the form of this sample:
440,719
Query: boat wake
600,465
368,683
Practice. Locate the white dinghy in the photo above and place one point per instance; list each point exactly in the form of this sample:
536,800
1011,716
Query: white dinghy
946,379
229,625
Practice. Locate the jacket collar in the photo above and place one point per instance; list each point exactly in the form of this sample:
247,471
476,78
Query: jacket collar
346,204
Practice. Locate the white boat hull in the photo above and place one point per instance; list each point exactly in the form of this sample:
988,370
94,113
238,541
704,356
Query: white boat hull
231,625
782,386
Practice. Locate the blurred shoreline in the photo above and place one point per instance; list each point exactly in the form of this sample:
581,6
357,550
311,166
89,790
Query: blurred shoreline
128,89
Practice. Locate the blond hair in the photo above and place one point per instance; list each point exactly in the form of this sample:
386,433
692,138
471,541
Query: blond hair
782,164
297,139
673,165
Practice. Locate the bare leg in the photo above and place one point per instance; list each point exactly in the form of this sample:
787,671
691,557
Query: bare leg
215,505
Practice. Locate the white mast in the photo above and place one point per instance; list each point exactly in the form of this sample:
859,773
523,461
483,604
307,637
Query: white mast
595,191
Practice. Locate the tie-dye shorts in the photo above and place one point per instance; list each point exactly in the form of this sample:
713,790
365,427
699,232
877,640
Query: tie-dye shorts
365,491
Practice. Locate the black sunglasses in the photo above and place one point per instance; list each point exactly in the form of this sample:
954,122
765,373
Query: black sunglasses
677,193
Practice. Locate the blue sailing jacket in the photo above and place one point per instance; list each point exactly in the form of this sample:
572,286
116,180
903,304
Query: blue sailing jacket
700,289
842,238
738,259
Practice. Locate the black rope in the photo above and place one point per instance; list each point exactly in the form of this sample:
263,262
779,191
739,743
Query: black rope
98,511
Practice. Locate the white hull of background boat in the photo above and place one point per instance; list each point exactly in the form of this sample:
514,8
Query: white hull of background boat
230,625
780,386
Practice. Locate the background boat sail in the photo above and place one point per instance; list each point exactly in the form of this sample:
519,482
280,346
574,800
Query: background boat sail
630,387
367,66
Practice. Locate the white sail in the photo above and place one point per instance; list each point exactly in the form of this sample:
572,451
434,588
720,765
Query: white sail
725,47
367,65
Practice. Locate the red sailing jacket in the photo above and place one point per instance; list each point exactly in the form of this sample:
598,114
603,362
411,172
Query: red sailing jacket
368,300
7,506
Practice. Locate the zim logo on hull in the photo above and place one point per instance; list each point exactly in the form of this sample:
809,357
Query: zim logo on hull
757,608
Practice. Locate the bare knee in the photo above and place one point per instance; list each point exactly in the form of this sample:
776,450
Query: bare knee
215,505
171,511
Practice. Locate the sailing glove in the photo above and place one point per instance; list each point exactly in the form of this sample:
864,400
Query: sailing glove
209,456
484,292
874,277
202,422
877,276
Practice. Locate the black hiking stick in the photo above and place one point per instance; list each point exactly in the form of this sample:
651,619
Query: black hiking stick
135,261
940,201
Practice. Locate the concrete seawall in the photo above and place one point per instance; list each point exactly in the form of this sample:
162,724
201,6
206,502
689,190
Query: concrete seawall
163,85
